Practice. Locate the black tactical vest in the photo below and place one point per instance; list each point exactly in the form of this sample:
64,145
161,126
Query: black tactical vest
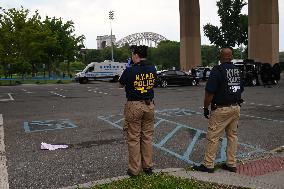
230,90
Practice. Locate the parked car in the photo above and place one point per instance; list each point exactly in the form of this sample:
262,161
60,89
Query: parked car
174,77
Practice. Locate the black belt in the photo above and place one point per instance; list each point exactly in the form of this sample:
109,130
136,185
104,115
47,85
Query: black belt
140,100
146,101
226,105
215,106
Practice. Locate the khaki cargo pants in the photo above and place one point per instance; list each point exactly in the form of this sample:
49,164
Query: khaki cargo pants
139,126
225,118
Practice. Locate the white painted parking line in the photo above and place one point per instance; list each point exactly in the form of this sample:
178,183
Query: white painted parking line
4,183
266,105
7,99
1,120
95,91
57,94
10,95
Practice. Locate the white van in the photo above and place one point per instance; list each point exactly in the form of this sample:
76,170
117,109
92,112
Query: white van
99,70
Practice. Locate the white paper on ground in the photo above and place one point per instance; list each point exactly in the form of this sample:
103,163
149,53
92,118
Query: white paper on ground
45,146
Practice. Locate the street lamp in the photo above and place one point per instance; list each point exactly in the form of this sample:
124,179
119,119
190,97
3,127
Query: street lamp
111,14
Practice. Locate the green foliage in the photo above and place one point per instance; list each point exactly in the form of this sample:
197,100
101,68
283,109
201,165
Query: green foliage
209,55
27,42
281,60
159,181
281,56
76,66
166,55
234,26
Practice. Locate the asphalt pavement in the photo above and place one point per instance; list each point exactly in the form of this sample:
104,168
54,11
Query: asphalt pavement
88,118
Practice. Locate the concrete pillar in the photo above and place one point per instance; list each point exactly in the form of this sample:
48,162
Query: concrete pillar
190,42
264,31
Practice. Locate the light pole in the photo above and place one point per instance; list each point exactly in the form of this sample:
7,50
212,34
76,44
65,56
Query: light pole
111,14
43,66
241,49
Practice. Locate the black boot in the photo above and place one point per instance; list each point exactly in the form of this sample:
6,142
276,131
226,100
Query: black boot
131,174
202,168
228,168
148,171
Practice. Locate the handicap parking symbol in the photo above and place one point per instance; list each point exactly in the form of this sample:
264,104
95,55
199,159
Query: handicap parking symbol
47,125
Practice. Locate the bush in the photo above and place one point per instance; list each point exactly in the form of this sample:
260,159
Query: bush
59,81
18,82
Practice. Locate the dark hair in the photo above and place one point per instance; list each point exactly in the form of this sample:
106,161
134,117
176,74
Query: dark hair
140,50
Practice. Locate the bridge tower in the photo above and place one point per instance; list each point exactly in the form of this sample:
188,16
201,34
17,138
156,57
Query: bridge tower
263,32
190,41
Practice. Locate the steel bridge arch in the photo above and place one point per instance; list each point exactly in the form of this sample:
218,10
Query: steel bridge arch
147,38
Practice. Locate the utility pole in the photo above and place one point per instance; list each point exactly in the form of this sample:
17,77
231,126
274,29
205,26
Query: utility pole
111,14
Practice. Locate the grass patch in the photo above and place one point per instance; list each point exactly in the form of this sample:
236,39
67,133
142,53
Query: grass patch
160,181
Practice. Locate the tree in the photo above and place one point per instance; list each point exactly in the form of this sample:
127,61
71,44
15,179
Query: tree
68,45
209,55
166,55
281,60
25,39
234,26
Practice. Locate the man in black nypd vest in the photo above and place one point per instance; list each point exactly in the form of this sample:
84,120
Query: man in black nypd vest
139,81
223,91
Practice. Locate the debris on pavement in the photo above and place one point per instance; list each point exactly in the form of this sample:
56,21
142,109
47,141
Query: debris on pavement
45,146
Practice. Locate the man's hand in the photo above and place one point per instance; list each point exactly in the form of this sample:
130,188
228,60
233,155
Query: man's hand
206,112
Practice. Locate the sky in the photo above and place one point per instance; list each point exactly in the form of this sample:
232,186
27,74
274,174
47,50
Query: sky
91,19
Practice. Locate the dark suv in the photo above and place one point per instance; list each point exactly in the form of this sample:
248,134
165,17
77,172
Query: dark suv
254,72
249,71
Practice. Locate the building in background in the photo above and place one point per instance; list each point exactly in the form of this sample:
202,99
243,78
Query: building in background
105,41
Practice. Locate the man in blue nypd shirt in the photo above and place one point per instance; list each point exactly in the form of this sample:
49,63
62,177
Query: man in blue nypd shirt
139,81
223,91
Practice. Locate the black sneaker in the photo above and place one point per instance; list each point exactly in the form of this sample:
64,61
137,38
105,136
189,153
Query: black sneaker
131,174
148,171
228,168
202,168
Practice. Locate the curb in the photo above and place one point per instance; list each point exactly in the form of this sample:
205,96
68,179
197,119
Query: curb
220,177
108,180
4,183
